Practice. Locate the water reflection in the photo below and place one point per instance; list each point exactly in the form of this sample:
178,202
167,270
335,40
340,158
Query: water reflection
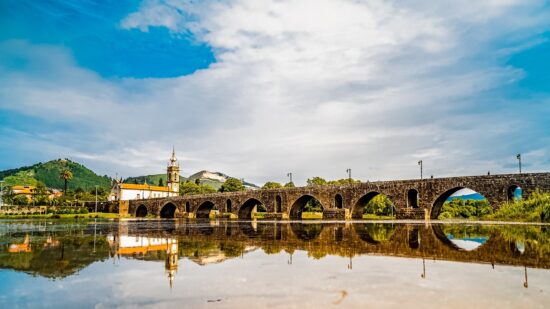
466,237
58,251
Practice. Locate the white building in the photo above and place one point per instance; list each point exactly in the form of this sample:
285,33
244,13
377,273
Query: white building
128,191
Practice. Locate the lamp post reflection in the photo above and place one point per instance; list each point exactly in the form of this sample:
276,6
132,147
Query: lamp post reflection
423,275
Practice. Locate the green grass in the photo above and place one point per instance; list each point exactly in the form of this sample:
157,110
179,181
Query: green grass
377,217
312,215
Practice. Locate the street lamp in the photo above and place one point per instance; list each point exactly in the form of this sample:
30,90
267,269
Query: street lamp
289,175
420,163
519,161
349,174
95,199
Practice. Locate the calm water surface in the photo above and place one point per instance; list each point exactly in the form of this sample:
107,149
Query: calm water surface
218,264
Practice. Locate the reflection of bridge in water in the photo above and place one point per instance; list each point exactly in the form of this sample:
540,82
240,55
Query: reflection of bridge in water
504,245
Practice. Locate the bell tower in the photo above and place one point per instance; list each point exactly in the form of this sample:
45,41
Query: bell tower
173,174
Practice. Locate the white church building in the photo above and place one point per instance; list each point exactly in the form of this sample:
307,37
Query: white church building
128,191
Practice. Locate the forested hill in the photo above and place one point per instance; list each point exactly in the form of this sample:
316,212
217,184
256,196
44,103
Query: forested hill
48,173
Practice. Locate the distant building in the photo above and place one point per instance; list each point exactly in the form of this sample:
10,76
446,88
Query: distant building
128,191
30,191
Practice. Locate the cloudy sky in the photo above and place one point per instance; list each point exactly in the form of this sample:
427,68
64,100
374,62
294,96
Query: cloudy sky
258,88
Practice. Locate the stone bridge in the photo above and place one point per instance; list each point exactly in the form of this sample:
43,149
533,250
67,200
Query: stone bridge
413,199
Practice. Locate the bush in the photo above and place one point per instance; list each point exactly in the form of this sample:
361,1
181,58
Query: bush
534,209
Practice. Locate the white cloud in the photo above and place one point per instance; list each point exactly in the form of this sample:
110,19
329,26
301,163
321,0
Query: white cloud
312,87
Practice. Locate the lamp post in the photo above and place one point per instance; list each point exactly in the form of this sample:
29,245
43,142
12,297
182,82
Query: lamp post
95,199
349,174
289,175
420,163
519,161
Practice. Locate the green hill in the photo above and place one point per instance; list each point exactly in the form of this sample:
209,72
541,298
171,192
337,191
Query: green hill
48,173
151,179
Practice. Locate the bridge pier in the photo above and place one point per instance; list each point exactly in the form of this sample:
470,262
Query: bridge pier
336,214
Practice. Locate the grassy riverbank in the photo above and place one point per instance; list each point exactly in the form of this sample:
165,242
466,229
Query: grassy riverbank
92,215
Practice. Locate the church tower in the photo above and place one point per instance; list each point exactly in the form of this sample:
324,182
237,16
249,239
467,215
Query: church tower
173,174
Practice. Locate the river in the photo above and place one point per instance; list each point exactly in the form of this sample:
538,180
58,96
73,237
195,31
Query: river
252,264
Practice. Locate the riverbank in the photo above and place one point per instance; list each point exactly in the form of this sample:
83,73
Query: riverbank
92,215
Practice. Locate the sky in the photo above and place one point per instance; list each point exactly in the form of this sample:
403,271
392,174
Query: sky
257,89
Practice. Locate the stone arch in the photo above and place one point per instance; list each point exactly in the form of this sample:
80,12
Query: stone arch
338,201
228,206
298,206
440,200
359,207
278,204
245,211
511,192
141,211
168,210
187,207
203,211
412,198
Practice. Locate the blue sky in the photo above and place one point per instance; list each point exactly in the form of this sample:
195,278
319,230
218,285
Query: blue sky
257,89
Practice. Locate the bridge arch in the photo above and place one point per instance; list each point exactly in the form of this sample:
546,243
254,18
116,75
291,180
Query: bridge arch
141,211
298,206
338,201
168,210
443,197
513,192
203,211
359,206
245,211
412,198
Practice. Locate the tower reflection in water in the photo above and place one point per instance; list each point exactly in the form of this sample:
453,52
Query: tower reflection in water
140,247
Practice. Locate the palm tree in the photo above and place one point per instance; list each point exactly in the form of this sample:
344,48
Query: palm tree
66,175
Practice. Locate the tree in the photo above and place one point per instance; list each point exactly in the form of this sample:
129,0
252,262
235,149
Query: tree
21,200
290,185
41,194
191,188
161,183
343,181
272,185
316,181
379,205
232,185
66,175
